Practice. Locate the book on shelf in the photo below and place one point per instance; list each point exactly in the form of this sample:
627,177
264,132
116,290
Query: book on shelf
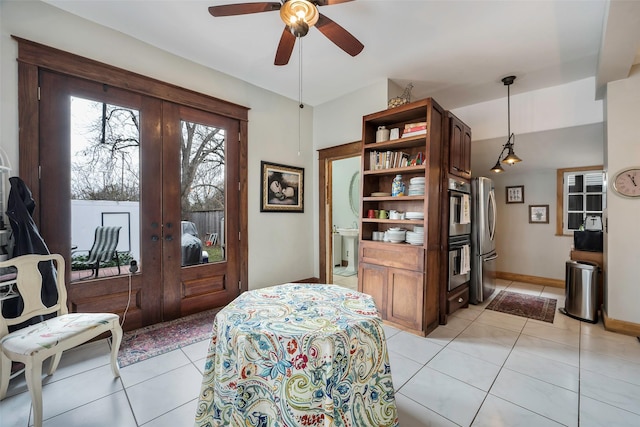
407,134
415,125
388,159
414,128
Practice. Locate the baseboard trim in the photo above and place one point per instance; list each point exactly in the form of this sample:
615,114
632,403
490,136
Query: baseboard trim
536,280
620,326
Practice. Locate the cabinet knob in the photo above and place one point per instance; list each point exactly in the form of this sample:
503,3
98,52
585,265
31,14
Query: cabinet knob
460,299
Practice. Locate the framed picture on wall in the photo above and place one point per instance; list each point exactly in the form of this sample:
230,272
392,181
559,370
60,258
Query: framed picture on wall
281,188
538,214
515,194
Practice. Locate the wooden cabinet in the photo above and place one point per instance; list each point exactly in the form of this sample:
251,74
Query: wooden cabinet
458,298
403,278
459,142
398,293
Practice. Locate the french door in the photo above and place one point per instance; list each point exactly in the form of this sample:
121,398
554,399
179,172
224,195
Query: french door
166,174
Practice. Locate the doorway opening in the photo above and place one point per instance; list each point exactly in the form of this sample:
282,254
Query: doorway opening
339,202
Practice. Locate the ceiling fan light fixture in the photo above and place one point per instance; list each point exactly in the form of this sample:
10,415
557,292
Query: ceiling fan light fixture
298,15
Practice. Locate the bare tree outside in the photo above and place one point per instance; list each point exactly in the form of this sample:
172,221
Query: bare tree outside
106,160
202,168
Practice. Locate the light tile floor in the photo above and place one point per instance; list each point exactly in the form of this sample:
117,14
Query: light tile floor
482,369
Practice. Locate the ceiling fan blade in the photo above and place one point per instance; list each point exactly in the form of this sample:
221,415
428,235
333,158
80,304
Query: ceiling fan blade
341,37
330,2
285,47
243,8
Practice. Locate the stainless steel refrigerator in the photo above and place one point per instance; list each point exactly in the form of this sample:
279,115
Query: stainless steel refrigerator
483,240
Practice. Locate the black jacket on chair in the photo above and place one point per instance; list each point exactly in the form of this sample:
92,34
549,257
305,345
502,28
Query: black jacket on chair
27,240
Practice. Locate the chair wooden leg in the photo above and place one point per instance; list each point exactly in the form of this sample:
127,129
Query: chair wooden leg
53,365
33,374
116,339
5,374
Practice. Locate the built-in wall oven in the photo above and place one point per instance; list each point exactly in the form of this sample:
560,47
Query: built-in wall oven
459,208
459,242
459,261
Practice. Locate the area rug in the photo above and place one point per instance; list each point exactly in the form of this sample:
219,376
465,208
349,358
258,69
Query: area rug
154,340
523,305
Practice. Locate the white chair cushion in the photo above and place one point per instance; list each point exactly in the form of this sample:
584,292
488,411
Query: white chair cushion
52,332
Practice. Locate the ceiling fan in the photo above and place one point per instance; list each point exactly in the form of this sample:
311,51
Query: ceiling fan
298,16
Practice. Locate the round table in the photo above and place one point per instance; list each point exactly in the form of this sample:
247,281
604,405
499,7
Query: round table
298,355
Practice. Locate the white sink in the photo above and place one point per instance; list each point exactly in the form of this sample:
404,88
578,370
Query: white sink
348,232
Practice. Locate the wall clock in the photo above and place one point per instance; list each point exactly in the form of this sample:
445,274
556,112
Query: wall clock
627,182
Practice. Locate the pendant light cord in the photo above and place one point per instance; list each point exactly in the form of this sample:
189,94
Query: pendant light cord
508,112
299,93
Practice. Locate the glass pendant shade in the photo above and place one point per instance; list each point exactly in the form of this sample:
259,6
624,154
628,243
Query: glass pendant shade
497,168
293,12
511,157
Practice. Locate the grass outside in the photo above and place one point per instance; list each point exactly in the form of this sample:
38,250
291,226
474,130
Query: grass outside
215,253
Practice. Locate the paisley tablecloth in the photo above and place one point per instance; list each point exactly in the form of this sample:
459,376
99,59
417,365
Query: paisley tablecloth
298,355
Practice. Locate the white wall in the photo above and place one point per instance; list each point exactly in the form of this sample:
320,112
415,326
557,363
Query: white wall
557,107
281,245
622,292
530,249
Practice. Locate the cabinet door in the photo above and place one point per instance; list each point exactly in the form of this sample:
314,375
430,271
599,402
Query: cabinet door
465,160
405,298
459,148
372,280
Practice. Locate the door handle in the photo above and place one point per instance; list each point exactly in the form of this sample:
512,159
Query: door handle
491,259
169,237
154,238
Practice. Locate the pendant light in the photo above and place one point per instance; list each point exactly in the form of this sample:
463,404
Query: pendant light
511,157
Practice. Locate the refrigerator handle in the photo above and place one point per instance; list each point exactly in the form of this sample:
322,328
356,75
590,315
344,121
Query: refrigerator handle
490,259
492,202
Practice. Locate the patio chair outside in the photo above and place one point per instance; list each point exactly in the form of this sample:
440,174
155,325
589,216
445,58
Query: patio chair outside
104,248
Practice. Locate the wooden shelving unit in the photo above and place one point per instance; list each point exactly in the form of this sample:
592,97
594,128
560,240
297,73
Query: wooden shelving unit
403,278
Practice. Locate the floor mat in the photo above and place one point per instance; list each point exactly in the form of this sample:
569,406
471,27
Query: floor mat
154,340
524,305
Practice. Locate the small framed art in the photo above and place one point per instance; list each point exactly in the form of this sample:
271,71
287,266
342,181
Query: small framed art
281,188
515,194
538,214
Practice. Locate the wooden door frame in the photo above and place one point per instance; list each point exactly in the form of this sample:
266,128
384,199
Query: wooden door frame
34,56
325,158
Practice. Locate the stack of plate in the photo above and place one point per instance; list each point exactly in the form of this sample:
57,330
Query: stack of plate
415,238
416,186
395,235
414,215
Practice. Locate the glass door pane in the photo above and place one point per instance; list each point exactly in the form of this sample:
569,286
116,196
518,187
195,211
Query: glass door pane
105,188
202,193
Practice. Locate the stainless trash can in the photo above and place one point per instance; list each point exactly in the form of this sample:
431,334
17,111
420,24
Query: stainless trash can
581,291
